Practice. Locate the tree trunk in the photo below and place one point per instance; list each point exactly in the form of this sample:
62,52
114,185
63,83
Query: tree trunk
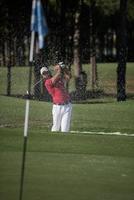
76,50
93,71
122,54
3,53
9,79
63,31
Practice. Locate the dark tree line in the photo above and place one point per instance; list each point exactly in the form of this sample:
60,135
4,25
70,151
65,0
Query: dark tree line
15,30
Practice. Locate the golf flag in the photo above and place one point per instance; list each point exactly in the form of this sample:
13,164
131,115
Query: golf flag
38,22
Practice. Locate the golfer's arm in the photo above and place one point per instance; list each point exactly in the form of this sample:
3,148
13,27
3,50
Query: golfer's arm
67,75
56,77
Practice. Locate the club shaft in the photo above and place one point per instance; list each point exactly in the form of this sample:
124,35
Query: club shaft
37,83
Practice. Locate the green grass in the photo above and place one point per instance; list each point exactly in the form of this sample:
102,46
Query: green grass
107,77
74,167
19,80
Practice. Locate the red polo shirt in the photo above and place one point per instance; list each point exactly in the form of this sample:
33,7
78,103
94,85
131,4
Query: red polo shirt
57,91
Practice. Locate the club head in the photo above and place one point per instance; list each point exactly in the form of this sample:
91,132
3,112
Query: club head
61,64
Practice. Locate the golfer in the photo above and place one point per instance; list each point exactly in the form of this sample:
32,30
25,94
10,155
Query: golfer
62,106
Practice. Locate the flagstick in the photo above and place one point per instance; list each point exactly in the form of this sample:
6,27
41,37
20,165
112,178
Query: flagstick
27,111
24,146
26,118
30,60
32,46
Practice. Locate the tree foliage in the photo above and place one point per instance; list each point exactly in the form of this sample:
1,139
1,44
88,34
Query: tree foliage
15,24
131,10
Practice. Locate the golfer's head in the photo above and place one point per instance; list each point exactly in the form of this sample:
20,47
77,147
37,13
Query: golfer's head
45,72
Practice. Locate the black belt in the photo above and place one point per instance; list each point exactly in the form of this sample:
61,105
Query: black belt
61,104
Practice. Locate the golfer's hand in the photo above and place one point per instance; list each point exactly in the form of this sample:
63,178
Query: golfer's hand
58,68
67,74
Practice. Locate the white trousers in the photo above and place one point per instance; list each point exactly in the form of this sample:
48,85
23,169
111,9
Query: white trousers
61,117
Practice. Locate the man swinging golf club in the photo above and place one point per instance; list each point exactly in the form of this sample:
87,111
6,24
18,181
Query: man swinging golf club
62,106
